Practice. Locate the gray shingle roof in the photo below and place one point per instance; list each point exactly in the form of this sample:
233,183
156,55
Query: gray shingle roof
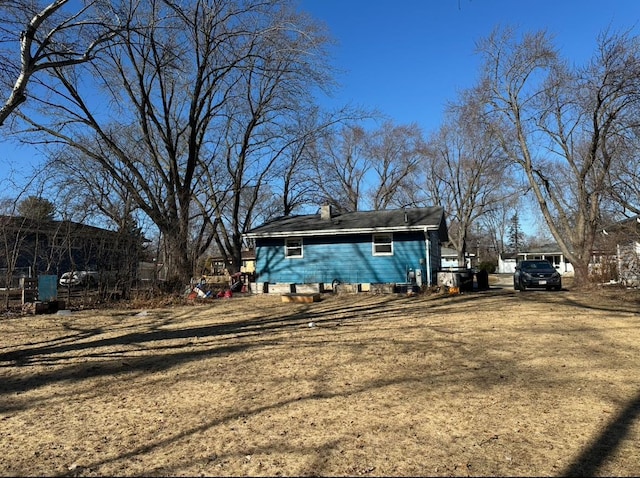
550,248
417,219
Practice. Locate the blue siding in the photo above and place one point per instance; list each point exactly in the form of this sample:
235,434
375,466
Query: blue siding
347,258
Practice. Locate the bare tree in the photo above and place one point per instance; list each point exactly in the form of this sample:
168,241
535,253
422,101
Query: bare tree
36,36
12,239
296,183
340,167
564,127
90,195
624,182
395,153
264,133
357,169
192,111
466,171
495,223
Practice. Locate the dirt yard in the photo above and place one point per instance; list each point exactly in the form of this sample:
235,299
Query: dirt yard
493,383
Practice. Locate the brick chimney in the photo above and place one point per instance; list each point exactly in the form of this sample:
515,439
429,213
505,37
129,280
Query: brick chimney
326,212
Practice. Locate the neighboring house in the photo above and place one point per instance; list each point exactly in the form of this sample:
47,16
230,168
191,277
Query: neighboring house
450,259
218,266
619,246
507,261
151,272
370,247
32,247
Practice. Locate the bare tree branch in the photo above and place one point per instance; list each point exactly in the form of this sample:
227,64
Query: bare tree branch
47,41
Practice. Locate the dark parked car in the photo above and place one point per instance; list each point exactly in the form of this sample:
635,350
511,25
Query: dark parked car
539,274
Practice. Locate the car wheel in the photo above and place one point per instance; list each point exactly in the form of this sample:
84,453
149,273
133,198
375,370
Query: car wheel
523,286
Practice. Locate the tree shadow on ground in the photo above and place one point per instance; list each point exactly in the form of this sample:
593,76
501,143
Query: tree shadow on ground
222,339
89,353
589,462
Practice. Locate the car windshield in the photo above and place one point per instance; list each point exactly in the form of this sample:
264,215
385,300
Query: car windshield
537,265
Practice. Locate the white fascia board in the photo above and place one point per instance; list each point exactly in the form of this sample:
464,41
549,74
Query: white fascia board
336,232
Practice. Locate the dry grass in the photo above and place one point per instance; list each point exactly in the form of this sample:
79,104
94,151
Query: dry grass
492,383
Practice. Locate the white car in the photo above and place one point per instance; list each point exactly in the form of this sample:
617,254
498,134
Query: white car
79,278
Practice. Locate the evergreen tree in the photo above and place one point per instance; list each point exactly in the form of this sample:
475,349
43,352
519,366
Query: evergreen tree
515,236
34,207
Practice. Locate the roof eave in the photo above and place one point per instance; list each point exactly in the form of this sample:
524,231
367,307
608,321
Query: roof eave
334,232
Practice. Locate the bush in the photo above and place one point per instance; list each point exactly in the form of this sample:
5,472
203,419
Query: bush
490,267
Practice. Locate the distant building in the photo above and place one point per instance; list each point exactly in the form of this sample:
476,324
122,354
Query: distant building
31,247
618,254
551,252
218,266
450,259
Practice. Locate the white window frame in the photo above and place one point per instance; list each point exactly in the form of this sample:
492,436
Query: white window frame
385,239
289,248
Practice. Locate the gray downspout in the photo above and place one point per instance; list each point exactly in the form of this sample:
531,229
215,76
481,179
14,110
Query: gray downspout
427,244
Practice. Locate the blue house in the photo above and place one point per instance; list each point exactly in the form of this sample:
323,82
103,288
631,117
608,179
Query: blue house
372,247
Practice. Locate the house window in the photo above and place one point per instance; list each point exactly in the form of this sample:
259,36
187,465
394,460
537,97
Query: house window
555,260
382,245
293,247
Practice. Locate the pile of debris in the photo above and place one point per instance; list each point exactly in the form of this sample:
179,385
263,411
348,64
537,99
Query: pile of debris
202,289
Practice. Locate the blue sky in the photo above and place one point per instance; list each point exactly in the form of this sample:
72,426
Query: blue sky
407,58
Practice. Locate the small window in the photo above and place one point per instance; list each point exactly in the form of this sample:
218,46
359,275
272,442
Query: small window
293,247
382,245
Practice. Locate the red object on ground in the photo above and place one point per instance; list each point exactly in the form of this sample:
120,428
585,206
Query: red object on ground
228,294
